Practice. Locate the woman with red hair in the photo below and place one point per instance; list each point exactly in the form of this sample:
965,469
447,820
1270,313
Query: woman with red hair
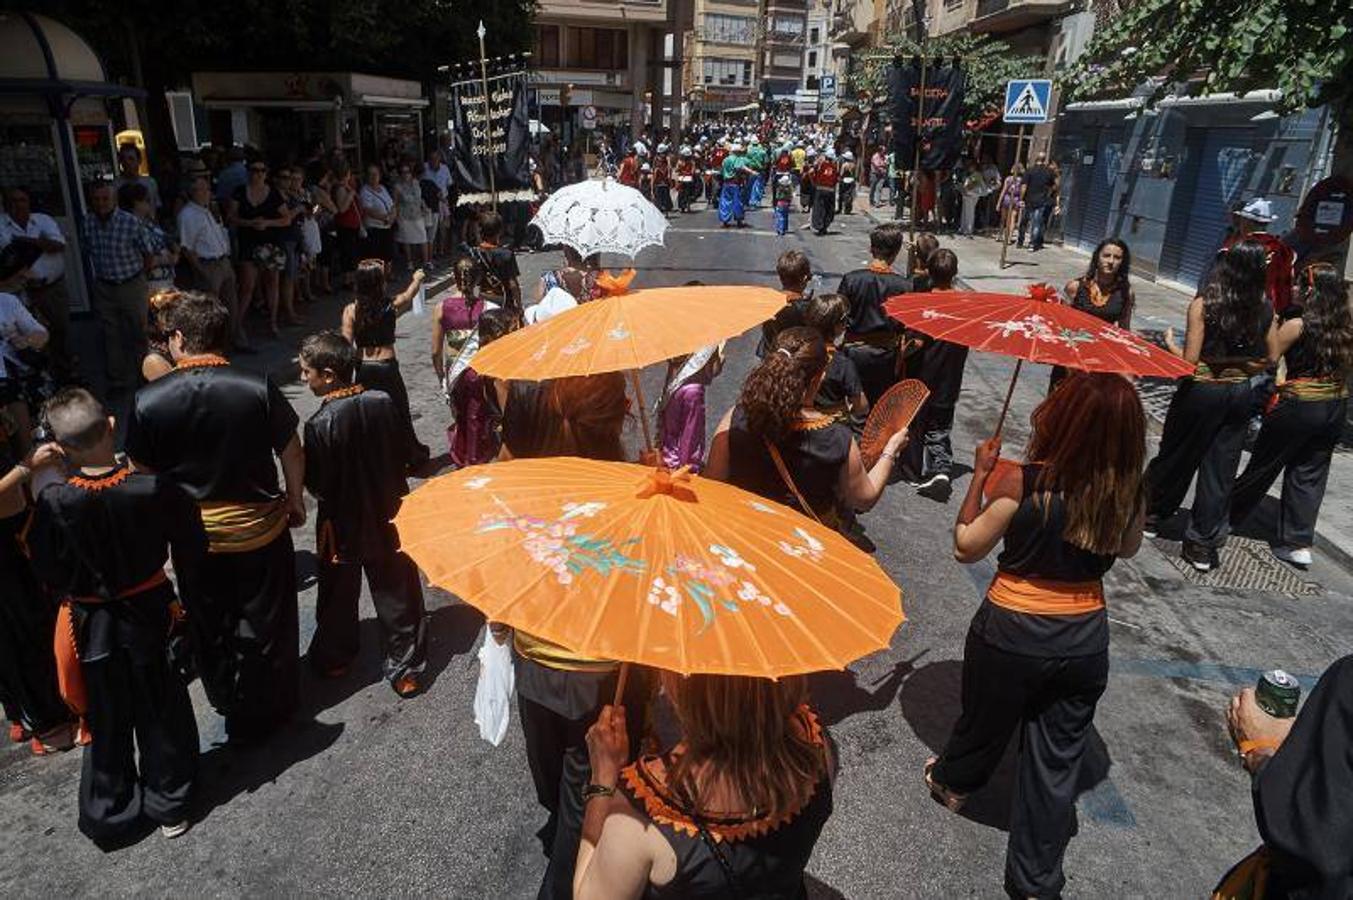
1037,652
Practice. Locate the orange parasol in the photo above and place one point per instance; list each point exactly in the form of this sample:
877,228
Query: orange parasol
627,331
619,561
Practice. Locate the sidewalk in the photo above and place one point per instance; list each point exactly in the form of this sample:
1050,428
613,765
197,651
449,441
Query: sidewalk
1157,307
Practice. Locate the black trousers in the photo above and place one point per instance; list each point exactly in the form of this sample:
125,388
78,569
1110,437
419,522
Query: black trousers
1297,439
1204,433
28,688
1052,703
940,366
847,197
384,375
248,634
138,707
397,595
877,367
824,208
556,709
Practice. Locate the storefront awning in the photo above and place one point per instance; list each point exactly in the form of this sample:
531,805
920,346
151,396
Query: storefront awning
266,102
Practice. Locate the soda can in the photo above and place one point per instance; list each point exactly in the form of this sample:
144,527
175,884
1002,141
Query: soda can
1277,694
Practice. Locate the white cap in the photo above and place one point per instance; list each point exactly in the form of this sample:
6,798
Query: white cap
830,154
1257,210
662,148
646,168
685,150
847,156
735,147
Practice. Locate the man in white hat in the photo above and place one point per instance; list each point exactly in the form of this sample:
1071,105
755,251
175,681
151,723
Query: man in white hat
846,191
1251,222
735,172
757,157
824,177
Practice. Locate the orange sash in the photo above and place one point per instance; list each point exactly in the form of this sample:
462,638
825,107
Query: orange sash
1042,597
70,681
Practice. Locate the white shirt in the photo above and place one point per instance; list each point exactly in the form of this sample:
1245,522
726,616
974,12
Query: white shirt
18,329
440,176
49,266
375,198
201,233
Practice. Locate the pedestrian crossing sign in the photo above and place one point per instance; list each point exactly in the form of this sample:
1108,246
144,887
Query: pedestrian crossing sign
1027,101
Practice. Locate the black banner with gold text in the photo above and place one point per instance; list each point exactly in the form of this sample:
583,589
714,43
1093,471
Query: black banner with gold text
941,134
498,131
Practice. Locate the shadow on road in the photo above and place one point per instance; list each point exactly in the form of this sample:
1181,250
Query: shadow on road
819,891
930,700
839,695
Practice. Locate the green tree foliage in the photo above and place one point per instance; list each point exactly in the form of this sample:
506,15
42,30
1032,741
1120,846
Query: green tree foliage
989,64
1304,48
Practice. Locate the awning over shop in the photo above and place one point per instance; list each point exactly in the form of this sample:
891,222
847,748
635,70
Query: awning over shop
305,90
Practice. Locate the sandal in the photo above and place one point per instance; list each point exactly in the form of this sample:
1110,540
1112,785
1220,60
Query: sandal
951,800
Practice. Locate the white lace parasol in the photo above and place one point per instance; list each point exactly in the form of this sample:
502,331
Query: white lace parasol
600,217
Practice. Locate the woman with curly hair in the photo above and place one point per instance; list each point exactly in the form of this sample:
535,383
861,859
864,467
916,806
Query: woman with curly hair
1300,431
158,361
1037,652
777,444
1231,336
369,322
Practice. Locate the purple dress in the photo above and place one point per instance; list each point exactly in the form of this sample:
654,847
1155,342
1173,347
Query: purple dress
470,437
683,427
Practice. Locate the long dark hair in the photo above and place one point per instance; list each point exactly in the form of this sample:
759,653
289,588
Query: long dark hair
1090,437
1092,272
774,391
1233,300
370,302
580,416
1327,321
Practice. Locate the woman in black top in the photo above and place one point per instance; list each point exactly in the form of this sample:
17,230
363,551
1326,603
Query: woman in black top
734,810
1300,432
369,322
260,218
1231,337
1103,291
1036,656
775,442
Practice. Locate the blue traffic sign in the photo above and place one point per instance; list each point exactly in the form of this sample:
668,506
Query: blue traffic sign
1027,101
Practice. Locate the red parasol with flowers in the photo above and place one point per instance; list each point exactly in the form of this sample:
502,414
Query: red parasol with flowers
1034,327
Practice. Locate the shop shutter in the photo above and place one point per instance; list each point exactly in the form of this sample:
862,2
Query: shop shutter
1101,180
1214,181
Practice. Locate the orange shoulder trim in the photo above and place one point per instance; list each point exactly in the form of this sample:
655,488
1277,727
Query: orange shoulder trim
103,482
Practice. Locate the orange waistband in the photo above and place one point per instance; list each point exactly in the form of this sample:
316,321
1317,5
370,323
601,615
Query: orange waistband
1042,597
153,581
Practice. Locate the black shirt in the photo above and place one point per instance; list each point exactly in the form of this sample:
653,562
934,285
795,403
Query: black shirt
813,456
354,466
500,269
866,291
1038,183
213,430
840,386
1035,548
792,315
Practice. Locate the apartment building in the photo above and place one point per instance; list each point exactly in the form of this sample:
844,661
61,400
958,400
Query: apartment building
622,57
721,71
783,56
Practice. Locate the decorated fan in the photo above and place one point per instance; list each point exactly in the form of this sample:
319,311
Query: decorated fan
894,411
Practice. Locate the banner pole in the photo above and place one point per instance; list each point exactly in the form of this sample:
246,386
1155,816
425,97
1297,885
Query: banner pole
488,115
916,167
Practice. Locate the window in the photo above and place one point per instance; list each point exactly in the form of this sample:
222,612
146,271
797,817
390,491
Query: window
813,35
730,29
812,59
788,27
547,45
728,72
598,48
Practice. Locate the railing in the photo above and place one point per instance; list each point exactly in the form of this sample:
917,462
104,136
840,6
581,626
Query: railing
991,7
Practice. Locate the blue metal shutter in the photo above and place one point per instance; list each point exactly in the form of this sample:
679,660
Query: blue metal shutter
1102,178
1225,163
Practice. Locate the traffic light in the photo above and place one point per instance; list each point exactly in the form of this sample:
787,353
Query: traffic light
566,95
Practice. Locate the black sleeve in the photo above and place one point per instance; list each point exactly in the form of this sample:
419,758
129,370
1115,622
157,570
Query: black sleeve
282,418
187,538
850,377
315,452
140,438
49,549
1294,793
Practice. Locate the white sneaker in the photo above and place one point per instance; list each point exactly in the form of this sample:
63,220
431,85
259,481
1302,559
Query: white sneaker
1297,556
178,829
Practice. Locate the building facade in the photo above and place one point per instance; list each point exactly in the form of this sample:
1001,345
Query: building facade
618,57
783,56
721,56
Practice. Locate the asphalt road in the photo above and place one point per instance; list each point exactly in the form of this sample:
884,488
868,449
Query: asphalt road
367,794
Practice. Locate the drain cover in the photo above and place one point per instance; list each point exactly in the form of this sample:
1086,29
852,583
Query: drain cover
1246,564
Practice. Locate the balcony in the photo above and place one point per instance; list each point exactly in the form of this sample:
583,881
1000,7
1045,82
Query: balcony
609,11
1000,16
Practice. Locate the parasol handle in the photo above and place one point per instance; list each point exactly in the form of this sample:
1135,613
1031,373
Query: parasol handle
620,684
643,409
1000,423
